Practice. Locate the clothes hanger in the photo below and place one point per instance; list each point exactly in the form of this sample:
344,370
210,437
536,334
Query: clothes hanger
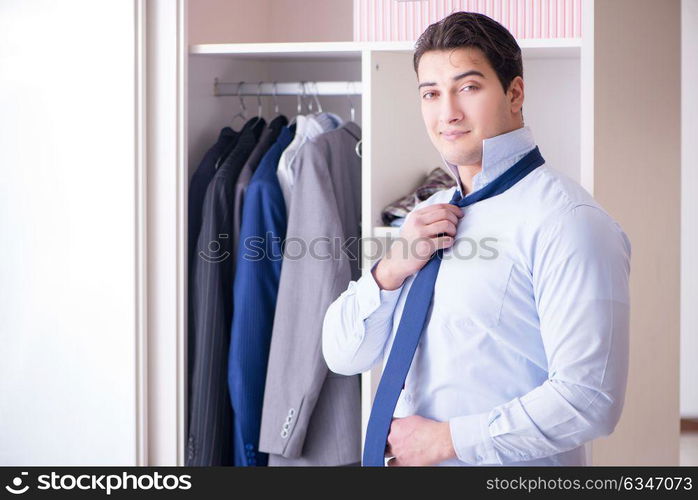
243,110
333,116
299,108
351,103
308,104
299,103
311,97
259,105
276,103
357,148
242,114
317,99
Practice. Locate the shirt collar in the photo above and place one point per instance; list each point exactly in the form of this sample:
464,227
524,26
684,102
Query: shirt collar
327,121
498,154
314,124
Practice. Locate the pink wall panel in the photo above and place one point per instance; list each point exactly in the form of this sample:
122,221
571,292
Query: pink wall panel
400,20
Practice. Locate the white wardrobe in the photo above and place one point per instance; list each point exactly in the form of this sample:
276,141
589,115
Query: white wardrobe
588,104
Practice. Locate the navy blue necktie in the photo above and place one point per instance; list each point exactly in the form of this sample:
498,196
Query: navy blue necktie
414,316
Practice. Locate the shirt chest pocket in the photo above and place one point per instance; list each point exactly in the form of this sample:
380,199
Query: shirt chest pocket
471,291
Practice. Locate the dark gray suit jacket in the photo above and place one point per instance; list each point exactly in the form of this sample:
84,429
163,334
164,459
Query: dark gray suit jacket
310,415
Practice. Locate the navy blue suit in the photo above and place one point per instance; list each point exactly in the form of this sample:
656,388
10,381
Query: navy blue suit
258,270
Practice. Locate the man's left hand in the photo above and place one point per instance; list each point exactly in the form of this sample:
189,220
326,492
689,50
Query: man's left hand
417,440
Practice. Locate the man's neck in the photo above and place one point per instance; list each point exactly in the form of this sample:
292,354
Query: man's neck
466,174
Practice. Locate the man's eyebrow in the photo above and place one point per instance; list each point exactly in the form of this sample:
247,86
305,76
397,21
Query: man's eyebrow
455,78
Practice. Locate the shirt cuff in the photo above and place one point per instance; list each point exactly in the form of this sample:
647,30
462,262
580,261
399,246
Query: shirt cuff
370,296
471,439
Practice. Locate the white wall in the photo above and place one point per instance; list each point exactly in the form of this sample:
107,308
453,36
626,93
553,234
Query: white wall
68,226
689,209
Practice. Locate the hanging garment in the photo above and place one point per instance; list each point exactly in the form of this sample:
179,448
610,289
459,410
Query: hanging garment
436,180
197,189
199,182
266,141
254,294
310,415
209,441
307,127
230,147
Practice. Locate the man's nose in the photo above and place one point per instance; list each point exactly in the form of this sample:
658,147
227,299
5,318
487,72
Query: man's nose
451,110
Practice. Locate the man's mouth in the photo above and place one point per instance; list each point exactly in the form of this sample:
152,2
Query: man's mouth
453,135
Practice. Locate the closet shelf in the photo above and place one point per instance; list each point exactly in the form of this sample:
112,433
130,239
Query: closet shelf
332,50
537,48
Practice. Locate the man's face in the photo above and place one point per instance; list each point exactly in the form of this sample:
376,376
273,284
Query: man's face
459,113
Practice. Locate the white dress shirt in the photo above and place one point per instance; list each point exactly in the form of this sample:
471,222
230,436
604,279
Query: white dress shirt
307,127
525,348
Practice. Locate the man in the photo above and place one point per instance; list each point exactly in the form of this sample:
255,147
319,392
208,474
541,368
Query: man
523,355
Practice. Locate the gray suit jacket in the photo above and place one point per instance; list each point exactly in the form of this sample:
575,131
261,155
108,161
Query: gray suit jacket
310,415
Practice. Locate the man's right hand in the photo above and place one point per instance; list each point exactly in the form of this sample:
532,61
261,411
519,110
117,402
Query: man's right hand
425,231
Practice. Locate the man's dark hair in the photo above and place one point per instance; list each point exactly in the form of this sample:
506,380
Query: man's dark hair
470,29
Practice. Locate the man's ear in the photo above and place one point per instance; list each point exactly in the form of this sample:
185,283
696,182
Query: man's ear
515,94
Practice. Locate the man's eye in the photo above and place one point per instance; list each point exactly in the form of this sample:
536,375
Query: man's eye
474,87
426,95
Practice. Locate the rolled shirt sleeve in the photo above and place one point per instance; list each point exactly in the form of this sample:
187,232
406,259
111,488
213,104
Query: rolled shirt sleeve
581,271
